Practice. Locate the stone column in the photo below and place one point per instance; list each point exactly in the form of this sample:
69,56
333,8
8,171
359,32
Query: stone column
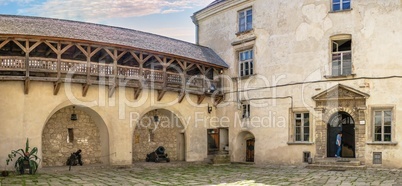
320,133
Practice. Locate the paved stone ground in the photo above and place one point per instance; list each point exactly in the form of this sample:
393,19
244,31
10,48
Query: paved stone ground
180,173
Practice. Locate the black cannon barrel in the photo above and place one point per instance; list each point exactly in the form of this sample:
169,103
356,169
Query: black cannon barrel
160,150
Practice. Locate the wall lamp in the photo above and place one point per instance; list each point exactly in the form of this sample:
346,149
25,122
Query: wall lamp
74,115
209,109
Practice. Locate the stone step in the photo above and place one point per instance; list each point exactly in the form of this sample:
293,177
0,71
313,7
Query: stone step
337,164
338,161
336,167
209,159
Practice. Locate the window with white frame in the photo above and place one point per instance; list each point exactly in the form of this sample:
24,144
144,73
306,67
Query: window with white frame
245,20
246,66
246,110
338,5
382,125
302,127
341,57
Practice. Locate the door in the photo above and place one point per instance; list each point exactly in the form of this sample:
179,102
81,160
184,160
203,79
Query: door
250,150
181,149
341,122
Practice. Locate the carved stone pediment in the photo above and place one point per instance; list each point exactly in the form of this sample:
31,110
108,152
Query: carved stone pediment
340,92
341,96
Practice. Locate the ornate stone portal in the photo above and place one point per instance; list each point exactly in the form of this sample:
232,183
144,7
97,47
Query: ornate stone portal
337,99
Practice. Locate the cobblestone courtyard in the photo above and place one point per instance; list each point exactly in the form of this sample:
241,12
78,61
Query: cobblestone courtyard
175,173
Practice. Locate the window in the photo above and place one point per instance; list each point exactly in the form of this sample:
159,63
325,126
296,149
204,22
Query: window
151,135
306,156
377,157
245,20
382,125
338,5
342,57
246,110
70,136
246,63
302,127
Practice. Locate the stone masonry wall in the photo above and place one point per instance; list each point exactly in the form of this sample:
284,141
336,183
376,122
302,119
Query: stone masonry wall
56,148
165,135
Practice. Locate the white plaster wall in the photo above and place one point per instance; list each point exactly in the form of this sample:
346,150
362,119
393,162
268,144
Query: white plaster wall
293,45
24,116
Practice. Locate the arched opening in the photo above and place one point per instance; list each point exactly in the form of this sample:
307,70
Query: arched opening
159,127
72,128
341,122
244,148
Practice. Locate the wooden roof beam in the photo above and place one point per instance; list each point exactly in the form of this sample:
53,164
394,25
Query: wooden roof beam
137,92
200,98
56,87
182,94
161,93
26,85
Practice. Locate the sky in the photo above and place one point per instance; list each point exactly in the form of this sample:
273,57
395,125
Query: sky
169,18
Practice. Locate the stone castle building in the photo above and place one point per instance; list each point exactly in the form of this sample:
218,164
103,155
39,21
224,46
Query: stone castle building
267,82
301,71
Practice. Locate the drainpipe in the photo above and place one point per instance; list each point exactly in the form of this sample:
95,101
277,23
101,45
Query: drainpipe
195,21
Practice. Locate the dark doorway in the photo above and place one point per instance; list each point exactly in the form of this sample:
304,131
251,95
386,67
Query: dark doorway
250,150
213,141
341,122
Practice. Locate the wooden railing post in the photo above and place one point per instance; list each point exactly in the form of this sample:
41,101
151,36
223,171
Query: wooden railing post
27,80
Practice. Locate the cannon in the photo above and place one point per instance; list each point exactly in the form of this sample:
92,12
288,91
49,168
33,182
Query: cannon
158,155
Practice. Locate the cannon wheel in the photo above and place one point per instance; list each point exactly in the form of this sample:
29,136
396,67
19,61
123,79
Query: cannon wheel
147,159
156,160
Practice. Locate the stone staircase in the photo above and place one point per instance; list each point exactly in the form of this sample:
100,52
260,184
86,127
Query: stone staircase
337,164
218,159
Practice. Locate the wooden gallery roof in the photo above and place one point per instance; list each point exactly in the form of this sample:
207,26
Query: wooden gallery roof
65,29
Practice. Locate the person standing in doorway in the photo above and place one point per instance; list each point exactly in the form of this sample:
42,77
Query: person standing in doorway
338,145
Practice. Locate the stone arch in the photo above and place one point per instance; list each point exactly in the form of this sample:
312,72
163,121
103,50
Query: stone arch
240,152
341,122
328,114
89,133
166,130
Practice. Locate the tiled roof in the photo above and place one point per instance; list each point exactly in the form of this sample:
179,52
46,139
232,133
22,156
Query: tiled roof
36,26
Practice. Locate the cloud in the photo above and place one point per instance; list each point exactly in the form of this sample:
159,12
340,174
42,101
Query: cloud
6,2
96,10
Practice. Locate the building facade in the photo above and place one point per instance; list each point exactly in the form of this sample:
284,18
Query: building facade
116,94
302,71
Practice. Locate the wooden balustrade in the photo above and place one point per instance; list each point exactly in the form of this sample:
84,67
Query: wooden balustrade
12,63
50,65
174,78
79,67
101,69
153,75
41,64
128,72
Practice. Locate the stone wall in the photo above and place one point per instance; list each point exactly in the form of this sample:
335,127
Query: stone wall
56,148
165,134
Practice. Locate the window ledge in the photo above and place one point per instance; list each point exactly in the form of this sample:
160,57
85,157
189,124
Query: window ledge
246,77
340,77
383,143
300,143
244,32
244,41
344,10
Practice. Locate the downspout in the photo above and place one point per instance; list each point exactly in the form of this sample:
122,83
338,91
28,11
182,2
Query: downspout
195,21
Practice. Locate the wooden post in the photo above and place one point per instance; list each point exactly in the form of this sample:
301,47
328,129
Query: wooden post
88,83
26,84
57,83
